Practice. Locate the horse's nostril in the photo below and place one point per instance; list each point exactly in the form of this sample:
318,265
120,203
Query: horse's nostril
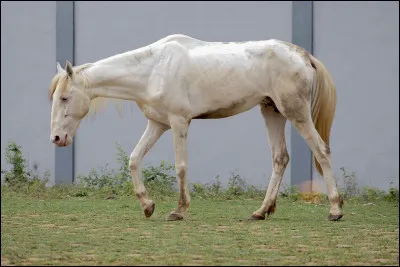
56,139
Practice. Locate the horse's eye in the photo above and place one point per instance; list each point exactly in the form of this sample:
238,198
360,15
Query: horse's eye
64,99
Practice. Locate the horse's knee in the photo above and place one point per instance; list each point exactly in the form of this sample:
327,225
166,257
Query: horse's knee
323,155
181,170
133,163
281,160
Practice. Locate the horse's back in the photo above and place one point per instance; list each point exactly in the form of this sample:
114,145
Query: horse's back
228,78
184,40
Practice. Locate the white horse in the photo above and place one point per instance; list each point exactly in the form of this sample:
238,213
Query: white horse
179,78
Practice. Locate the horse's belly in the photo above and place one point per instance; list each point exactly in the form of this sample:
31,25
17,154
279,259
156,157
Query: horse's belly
226,109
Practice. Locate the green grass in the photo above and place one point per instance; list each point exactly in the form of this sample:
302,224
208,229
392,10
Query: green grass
99,231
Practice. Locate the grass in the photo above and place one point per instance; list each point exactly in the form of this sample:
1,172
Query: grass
98,222
98,231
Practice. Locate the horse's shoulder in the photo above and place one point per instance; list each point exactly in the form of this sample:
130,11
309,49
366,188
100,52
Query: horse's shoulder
182,39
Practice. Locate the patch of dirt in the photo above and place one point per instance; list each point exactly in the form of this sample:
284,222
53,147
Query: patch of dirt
169,226
290,258
358,263
5,262
214,246
131,229
80,228
313,263
380,260
33,215
14,223
301,249
89,257
28,262
136,255
99,229
50,225
343,246
241,260
264,248
196,261
223,228
146,235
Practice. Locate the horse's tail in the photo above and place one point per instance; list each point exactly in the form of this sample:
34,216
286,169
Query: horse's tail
324,103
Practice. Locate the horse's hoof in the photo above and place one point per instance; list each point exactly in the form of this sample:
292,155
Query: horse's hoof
174,217
148,211
335,217
257,217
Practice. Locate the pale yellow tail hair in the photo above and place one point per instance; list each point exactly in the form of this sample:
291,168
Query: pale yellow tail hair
324,105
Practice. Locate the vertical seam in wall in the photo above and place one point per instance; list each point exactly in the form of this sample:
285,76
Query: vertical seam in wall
312,52
64,156
302,35
312,28
73,58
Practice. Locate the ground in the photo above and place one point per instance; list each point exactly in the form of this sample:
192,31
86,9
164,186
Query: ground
98,231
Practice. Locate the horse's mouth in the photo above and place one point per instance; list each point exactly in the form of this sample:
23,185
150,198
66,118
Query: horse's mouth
66,140
64,143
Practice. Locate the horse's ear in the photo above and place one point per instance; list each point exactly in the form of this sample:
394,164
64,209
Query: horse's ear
59,68
69,70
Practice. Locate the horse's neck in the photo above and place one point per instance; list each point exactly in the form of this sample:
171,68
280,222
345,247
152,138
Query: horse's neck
123,76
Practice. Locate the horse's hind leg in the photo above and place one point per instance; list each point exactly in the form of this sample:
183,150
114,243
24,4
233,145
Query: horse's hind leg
275,124
153,132
298,111
180,127
321,152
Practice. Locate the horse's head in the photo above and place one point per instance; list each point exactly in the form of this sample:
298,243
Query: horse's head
70,104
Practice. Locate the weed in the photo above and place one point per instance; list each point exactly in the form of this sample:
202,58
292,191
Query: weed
20,177
350,185
291,192
161,182
236,185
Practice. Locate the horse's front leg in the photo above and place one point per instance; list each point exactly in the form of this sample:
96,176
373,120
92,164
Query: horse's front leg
180,126
150,136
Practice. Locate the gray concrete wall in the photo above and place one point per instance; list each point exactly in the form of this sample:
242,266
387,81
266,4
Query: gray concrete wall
216,147
359,44
357,41
27,66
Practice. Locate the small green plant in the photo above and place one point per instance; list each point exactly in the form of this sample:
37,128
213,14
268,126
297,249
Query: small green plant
109,180
160,179
290,192
198,190
99,179
214,188
236,185
19,176
18,173
393,195
372,194
350,185
123,160
254,192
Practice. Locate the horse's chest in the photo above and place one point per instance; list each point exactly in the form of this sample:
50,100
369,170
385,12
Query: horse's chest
154,114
